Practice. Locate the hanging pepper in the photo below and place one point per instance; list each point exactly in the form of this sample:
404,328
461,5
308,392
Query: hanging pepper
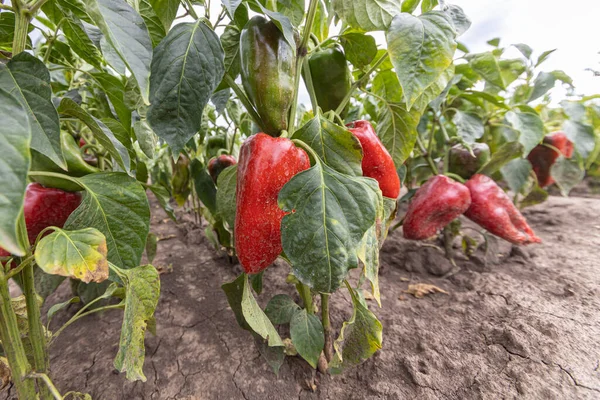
214,144
268,69
377,162
216,165
331,77
435,204
76,165
46,207
181,180
493,210
462,163
266,164
543,157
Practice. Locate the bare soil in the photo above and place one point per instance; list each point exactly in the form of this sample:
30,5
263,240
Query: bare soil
521,323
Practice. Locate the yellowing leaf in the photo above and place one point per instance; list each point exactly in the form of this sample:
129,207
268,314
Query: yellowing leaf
76,254
420,290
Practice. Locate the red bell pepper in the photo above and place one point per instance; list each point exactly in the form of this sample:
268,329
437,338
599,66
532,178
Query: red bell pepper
543,157
217,164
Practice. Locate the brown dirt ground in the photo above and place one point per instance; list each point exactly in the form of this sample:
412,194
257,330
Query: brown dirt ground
523,325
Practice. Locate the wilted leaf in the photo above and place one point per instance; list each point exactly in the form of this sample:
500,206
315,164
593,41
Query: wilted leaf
420,290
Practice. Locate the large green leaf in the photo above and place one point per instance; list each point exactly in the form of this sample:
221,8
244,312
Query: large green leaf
486,65
530,127
115,91
335,145
141,298
359,338
126,32
28,79
226,188
234,291
155,27
256,318
307,335
331,213
397,129
116,205
77,254
186,69
101,132
367,15
78,39
15,136
582,136
166,11
421,49
204,185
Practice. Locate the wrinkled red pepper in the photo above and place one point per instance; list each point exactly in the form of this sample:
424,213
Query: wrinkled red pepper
543,157
46,207
216,165
435,204
377,162
266,164
493,210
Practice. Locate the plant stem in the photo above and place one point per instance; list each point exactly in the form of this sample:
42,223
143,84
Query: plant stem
242,97
328,349
46,379
191,11
5,7
81,315
427,156
21,26
359,82
13,346
301,54
51,41
306,297
309,86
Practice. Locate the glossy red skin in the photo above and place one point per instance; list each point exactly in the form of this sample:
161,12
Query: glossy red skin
377,162
46,207
492,209
81,142
266,164
543,157
435,204
216,165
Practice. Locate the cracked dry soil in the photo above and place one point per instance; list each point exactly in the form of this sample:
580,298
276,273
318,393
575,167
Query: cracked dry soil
523,325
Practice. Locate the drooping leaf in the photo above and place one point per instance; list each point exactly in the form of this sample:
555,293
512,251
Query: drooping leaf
331,213
163,197
57,307
142,292
234,291
421,49
336,146
230,40
530,127
231,6
28,79
397,129
127,33
186,69
77,254
307,335
293,9
256,318
281,309
367,15
15,137
116,205
537,195
282,22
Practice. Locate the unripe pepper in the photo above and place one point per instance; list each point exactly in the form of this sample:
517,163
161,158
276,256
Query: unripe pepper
216,165
462,163
377,162
435,204
268,69
543,157
181,179
46,207
266,164
493,210
331,77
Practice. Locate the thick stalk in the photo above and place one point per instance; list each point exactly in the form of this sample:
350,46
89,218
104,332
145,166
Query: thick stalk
309,86
328,349
306,297
46,379
13,346
310,18
21,25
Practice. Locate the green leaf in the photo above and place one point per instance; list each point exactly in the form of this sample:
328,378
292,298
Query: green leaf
234,291
582,136
226,187
28,79
469,126
503,155
567,172
186,69
386,85
428,5
408,6
544,56
145,137
283,24
524,49
274,355
530,127
166,11
511,69
516,172
541,85
359,339
574,110
7,31
163,197
486,65
15,136
537,195
126,32
230,40
101,132
397,129
205,187
77,254
115,91
360,49
256,318
151,246
231,6
437,102
434,89
307,335
117,206
142,292
78,39
57,307
335,145
293,9
367,15
281,309
478,98
320,26
154,24
331,213
421,49
459,19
